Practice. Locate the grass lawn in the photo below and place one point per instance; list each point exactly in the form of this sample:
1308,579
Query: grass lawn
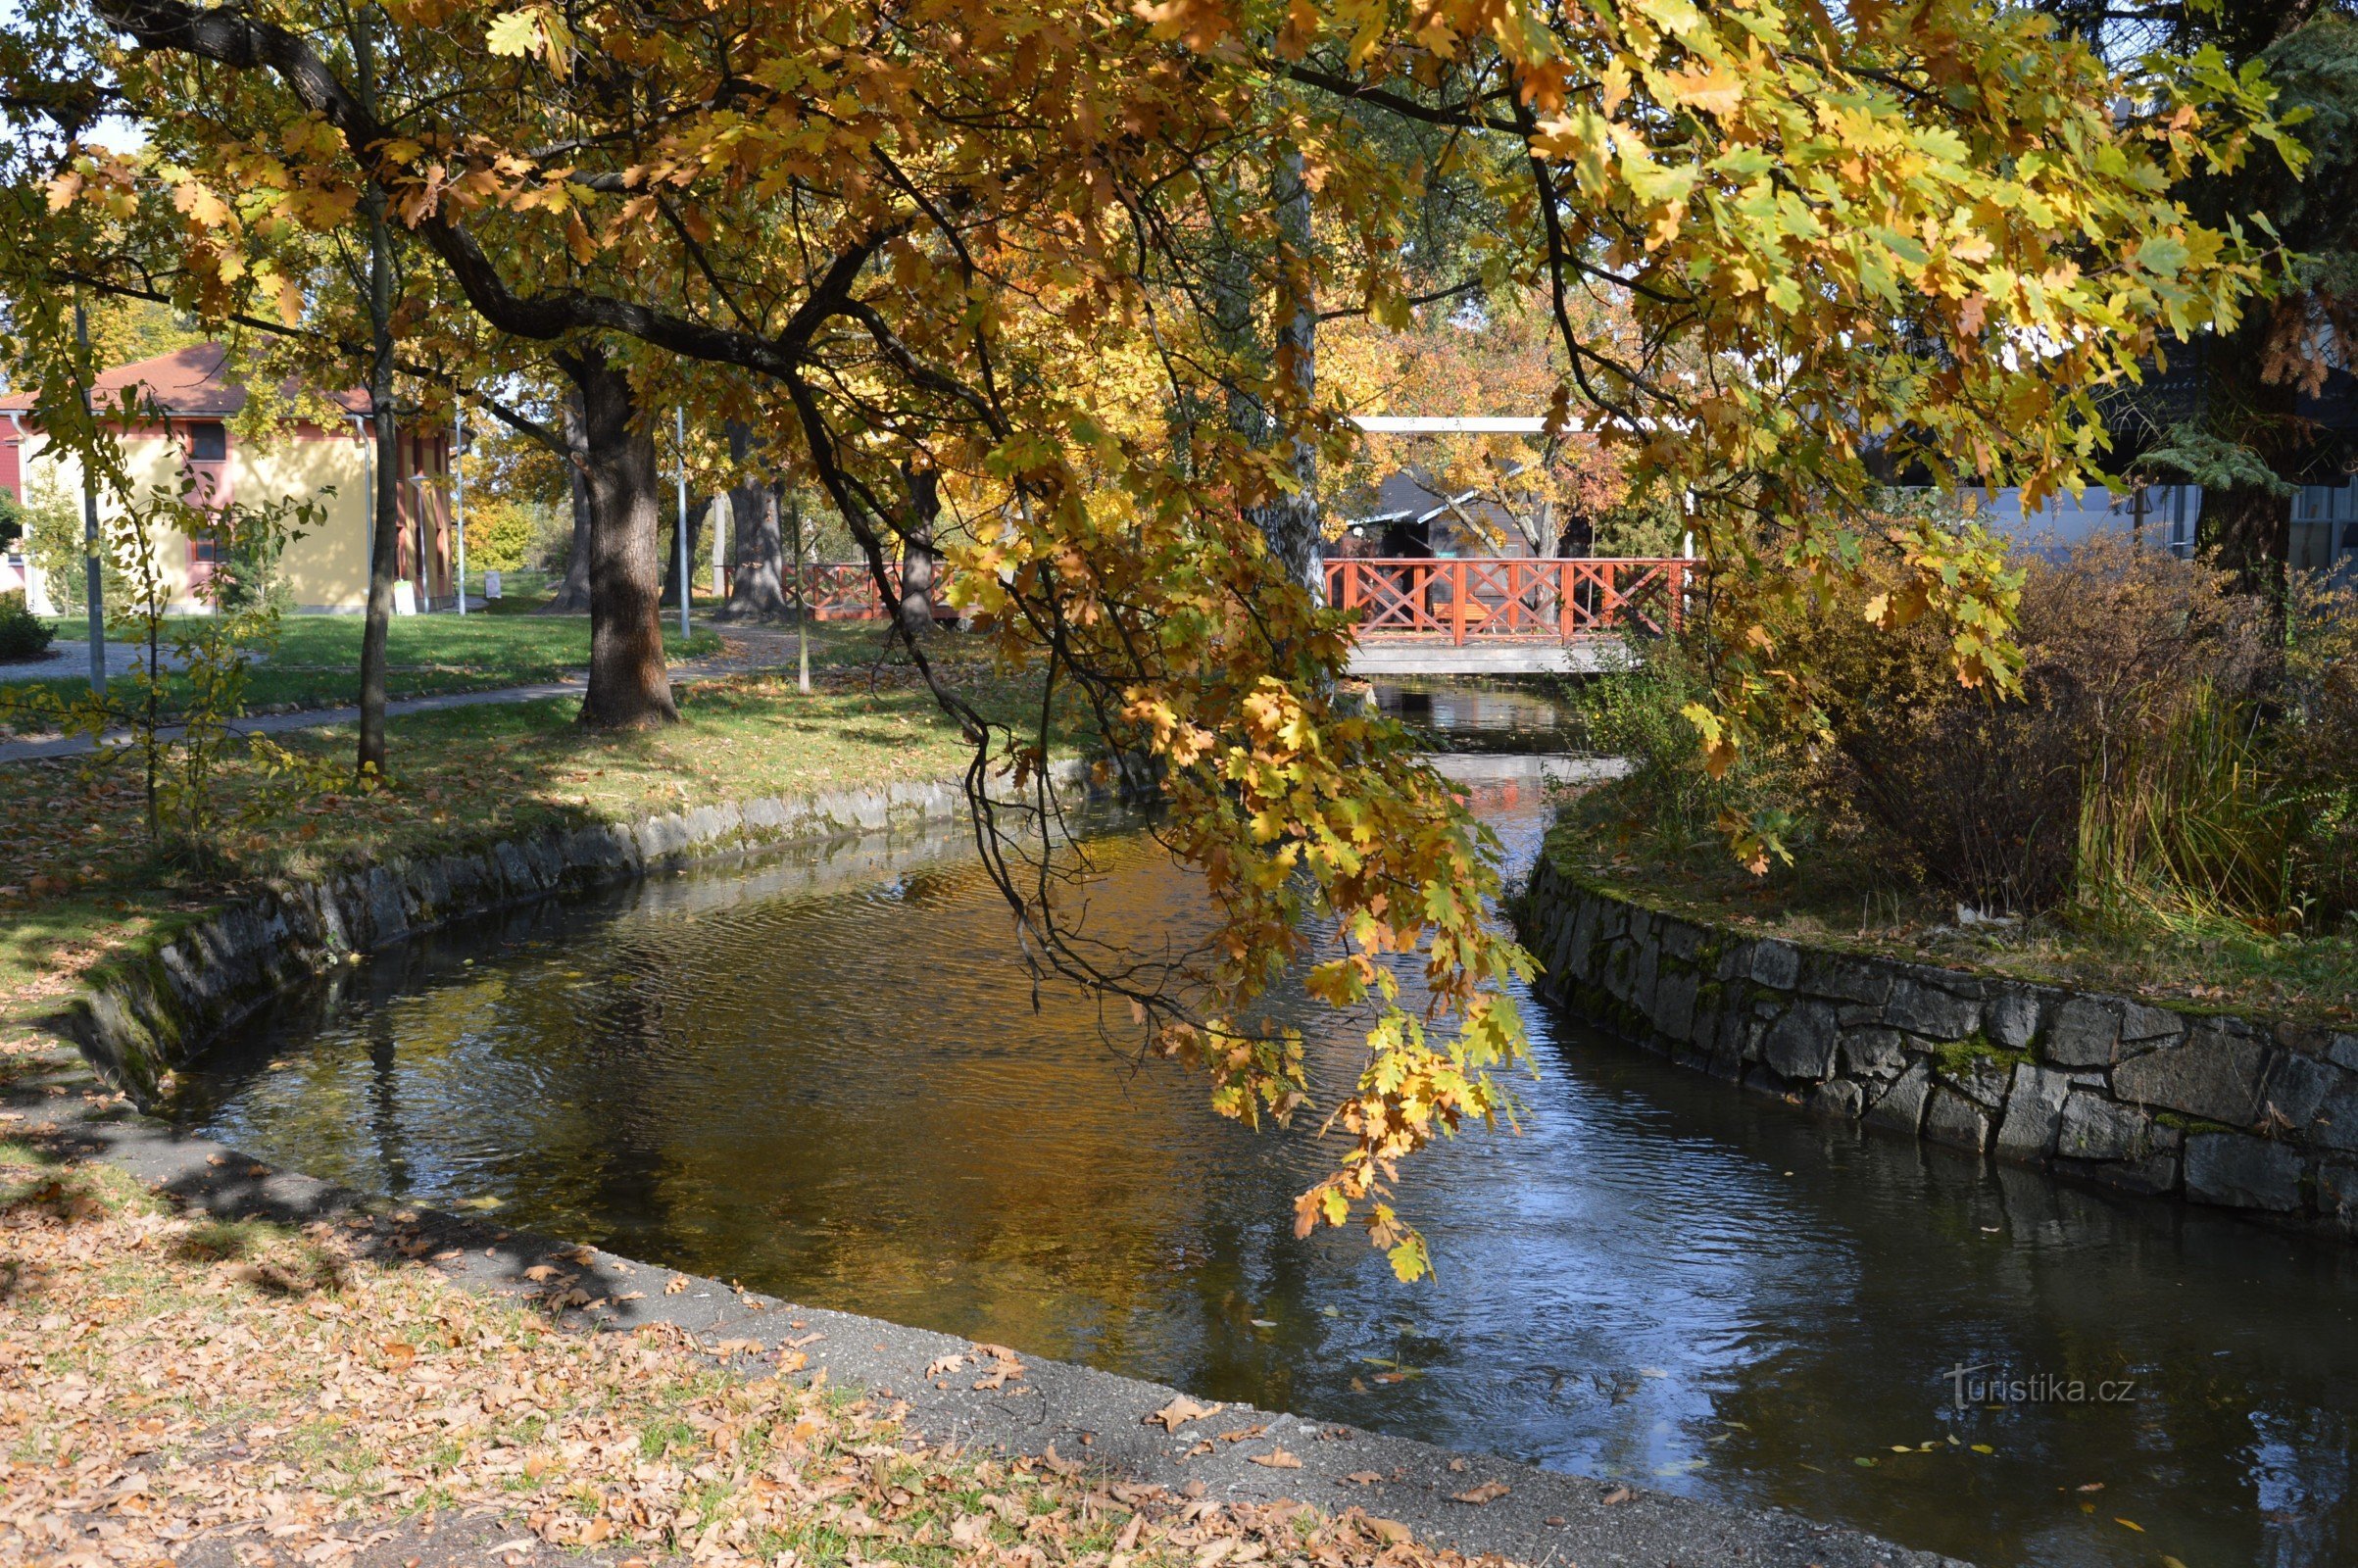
317,660
1831,900
165,1377
80,878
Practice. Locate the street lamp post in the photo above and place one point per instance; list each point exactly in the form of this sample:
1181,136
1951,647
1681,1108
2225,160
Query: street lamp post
458,491
683,415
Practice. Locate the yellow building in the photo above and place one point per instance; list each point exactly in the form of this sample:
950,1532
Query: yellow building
188,400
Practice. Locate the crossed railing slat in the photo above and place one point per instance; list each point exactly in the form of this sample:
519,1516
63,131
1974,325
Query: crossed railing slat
1473,598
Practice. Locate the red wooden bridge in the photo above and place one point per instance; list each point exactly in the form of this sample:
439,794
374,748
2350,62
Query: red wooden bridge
1435,615
1504,614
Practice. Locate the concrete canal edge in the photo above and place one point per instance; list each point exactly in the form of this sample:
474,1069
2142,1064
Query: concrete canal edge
137,1020
2243,1115
1097,1418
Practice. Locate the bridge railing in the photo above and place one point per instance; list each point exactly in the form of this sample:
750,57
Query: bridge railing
1531,598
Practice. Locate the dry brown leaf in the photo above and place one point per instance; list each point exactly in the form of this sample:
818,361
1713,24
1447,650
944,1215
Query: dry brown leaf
1617,1494
679,1283
1279,1460
1364,1478
1182,1410
1487,1493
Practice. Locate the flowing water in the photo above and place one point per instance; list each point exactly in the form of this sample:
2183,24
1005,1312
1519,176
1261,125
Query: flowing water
827,1077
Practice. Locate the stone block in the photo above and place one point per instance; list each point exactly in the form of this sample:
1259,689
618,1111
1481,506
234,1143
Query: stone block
2145,1027
2084,1032
1983,1081
1776,964
1583,948
1802,1044
1953,1120
2338,1198
1873,1051
2239,1171
2298,1088
388,915
1679,940
2214,1074
2335,1124
2010,1018
2149,1177
2343,1051
1931,1011
1846,979
1674,1004
2093,1127
2034,1112
1649,967
1900,1108
1841,1098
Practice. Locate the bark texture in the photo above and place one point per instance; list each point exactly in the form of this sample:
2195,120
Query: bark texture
756,579
920,561
385,533
1290,522
629,687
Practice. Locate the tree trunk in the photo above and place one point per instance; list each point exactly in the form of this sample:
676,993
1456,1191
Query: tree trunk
1290,522
384,536
572,594
920,562
757,584
2249,528
629,687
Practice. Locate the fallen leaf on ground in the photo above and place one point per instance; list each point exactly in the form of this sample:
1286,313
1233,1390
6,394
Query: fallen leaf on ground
679,1283
1182,1410
1617,1494
1488,1491
1364,1478
1279,1460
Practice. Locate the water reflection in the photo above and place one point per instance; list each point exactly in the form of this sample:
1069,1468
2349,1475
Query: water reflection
1477,718
827,1078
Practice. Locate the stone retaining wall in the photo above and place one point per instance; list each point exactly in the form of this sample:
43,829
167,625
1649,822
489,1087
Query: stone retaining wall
2224,1110
139,1019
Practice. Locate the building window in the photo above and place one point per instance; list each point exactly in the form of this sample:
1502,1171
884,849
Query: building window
208,442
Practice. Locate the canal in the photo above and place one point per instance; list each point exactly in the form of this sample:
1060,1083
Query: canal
827,1077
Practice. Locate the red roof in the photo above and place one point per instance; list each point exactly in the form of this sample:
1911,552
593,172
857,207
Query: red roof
187,383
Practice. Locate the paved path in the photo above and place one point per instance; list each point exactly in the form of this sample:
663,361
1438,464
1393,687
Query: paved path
66,660
742,650
1544,1517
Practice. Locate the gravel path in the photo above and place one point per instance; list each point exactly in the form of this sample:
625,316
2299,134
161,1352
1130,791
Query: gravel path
742,650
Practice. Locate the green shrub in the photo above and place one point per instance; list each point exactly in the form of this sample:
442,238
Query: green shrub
2184,821
1981,795
1637,714
24,635
505,536
53,543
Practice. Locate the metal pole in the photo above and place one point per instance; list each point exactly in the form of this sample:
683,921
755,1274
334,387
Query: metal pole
458,491
685,585
93,579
